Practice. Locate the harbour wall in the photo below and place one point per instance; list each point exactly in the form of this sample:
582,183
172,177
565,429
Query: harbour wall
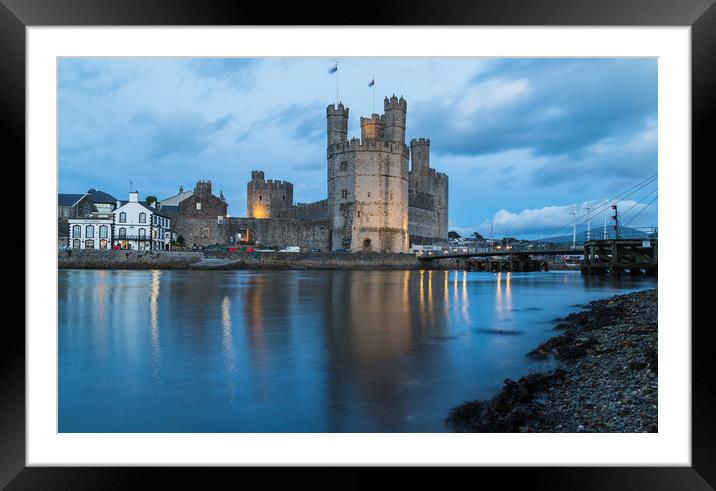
107,259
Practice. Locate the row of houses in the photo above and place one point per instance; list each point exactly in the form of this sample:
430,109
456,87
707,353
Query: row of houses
97,220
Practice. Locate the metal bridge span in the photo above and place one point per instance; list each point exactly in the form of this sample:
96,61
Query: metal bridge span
540,252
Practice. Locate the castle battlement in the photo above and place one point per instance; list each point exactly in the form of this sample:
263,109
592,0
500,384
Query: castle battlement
395,103
420,141
358,145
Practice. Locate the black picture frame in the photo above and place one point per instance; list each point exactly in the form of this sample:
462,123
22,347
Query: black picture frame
16,15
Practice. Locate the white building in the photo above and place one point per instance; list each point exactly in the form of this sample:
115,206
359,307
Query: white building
132,225
91,232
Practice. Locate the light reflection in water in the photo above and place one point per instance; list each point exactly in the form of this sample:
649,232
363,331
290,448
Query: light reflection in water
227,343
247,351
154,323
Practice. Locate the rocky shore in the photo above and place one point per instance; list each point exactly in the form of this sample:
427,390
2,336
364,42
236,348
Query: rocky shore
606,379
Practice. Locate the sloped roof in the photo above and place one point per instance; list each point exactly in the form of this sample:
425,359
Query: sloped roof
101,197
68,199
176,199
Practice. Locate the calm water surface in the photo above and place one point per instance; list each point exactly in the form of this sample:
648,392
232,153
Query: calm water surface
299,351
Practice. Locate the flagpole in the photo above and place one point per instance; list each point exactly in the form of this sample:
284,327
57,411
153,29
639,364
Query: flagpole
374,93
336,83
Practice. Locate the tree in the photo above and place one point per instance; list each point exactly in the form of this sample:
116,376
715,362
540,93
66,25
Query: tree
478,237
453,235
150,199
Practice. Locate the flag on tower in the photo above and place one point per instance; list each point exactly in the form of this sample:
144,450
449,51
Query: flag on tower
333,69
372,82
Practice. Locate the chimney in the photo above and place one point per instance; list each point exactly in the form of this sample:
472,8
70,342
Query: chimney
133,197
153,204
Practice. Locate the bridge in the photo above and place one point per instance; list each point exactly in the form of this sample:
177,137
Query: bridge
503,252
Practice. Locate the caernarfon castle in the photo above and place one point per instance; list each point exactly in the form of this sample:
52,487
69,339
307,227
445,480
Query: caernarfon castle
376,200
382,196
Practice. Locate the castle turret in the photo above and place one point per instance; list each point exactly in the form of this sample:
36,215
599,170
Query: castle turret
337,123
372,128
395,114
420,154
266,197
202,188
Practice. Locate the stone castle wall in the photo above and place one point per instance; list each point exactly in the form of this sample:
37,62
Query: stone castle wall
317,210
280,232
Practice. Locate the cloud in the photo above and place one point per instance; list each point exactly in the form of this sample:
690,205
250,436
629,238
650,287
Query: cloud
554,107
305,122
557,219
183,134
235,72
87,77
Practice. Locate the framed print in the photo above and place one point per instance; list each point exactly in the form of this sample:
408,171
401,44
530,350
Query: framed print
425,236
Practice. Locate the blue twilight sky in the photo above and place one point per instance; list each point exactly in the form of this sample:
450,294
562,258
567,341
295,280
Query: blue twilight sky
522,140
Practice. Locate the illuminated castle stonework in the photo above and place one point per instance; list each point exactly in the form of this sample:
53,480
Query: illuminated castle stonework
375,202
265,198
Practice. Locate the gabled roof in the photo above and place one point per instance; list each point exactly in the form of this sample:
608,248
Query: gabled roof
145,205
65,199
176,199
101,197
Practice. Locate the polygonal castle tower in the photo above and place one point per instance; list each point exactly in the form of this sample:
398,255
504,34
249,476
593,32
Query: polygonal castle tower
266,197
428,224
368,180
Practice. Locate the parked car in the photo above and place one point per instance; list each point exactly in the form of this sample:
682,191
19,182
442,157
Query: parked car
314,250
291,249
341,251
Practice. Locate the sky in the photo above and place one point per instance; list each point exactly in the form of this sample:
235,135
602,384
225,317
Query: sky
525,142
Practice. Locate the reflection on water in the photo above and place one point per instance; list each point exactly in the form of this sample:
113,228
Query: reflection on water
298,351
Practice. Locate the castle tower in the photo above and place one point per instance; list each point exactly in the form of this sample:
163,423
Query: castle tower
368,182
337,124
264,198
395,114
372,128
420,154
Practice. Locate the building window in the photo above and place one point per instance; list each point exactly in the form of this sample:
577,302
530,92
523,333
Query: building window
261,198
89,231
103,231
344,193
89,244
344,165
142,217
142,233
123,217
76,244
220,220
103,244
122,233
198,206
76,231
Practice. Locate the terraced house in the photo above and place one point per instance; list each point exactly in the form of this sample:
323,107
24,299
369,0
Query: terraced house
131,225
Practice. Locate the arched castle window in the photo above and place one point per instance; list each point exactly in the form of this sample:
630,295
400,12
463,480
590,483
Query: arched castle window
261,197
344,193
76,231
103,231
142,217
344,165
89,231
122,217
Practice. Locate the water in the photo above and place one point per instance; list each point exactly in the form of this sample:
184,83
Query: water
299,351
